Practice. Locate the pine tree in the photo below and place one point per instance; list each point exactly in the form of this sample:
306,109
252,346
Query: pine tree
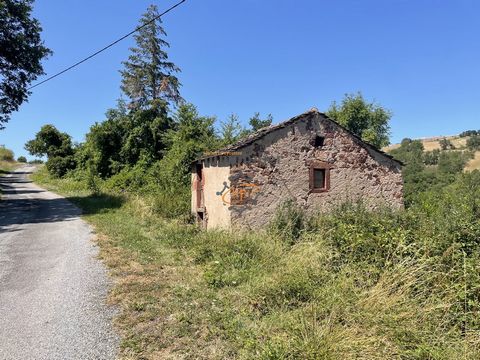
148,76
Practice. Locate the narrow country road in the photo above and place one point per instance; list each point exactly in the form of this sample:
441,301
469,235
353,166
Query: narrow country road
52,288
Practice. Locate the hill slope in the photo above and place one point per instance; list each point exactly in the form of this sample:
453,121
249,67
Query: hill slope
433,143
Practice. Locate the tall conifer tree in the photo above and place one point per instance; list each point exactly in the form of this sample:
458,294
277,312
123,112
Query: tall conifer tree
148,76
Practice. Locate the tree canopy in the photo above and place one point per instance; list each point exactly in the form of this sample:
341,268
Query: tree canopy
21,52
57,146
51,142
367,120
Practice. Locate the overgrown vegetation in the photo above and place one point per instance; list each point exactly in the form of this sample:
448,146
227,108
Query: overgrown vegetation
351,284
431,170
6,154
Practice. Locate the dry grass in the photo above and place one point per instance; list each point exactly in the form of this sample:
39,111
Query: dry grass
7,165
474,164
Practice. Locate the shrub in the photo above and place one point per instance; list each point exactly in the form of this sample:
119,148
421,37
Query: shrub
6,154
452,162
289,221
473,143
36,161
431,157
58,166
22,159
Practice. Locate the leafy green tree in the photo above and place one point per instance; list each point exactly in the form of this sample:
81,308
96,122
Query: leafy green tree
21,52
367,120
57,146
22,159
431,157
51,142
193,136
124,139
256,123
148,77
410,152
452,162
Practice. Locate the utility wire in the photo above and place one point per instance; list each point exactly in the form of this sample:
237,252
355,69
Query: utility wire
108,46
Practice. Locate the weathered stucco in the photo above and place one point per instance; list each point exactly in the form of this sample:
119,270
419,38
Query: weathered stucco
276,167
216,207
218,213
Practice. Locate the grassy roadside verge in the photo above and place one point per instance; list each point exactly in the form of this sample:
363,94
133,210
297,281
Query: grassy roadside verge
6,166
355,286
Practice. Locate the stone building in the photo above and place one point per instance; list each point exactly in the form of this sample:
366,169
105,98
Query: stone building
309,158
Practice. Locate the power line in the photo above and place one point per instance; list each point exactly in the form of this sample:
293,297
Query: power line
108,46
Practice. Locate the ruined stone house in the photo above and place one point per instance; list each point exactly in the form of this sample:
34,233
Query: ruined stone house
309,158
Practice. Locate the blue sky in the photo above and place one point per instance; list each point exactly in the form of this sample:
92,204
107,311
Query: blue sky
419,58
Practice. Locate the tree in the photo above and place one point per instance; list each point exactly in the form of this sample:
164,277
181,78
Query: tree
231,130
57,146
51,142
473,142
256,123
452,162
148,77
124,139
446,144
22,159
369,121
431,157
21,52
193,136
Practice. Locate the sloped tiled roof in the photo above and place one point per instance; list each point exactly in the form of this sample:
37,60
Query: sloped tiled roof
257,135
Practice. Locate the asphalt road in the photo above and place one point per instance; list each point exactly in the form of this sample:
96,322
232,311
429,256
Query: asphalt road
52,288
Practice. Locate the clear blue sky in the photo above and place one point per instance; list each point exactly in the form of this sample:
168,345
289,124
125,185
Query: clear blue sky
419,58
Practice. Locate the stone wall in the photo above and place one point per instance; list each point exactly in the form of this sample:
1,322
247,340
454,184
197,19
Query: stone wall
276,167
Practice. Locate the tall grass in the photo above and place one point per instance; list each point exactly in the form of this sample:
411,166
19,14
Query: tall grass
351,284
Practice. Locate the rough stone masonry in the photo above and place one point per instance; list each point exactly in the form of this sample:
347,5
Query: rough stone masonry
309,158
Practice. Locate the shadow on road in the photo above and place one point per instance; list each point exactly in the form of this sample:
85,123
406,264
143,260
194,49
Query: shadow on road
26,204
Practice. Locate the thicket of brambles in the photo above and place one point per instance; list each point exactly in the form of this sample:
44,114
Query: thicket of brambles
350,284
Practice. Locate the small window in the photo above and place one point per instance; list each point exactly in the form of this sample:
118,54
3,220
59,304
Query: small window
320,176
319,179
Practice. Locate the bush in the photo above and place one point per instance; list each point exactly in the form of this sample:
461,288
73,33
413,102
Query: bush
22,159
6,154
453,162
289,221
36,161
473,143
431,157
58,166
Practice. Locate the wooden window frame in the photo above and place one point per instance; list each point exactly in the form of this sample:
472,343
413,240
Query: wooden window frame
319,165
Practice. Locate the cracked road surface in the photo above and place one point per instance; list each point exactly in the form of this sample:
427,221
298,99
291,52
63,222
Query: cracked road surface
52,288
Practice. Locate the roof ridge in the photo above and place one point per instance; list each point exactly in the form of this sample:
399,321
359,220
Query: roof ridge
268,129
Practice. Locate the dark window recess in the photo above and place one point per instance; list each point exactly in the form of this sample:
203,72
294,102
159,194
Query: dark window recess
319,179
318,141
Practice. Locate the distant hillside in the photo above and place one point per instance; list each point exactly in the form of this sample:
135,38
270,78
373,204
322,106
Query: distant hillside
433,143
